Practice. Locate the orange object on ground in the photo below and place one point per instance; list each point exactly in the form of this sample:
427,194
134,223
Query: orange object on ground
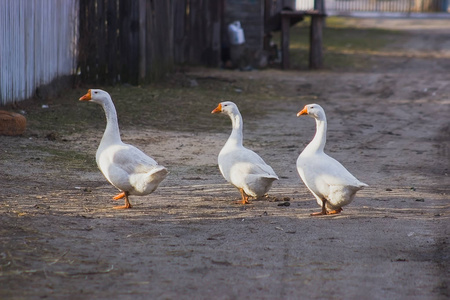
12,123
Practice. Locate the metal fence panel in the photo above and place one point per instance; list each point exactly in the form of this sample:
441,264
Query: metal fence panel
38,43
383,6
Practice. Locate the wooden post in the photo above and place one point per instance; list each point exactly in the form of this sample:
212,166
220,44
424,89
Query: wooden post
100,64
315,43
134,43
285,24
112,42
315,36
179,29
142,41
129,39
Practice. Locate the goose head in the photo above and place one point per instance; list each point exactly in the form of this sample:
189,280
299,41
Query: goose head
226,107
313,110
96,96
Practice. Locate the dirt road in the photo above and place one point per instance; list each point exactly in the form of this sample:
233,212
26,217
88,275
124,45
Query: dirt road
390,126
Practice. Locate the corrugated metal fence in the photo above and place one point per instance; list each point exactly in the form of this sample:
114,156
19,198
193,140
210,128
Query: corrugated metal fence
37,44
381,6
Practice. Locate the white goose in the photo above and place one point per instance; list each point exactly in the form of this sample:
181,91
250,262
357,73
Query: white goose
240,166
124,166
328,180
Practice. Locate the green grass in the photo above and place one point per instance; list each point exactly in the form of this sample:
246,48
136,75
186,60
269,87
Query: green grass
346,47
177,104
171,105
67,158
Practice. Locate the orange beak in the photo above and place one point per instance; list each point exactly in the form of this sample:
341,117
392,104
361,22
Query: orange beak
304,111
86,97
218,109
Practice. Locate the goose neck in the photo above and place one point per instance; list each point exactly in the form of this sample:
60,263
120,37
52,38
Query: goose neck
236,134
111,133
320,138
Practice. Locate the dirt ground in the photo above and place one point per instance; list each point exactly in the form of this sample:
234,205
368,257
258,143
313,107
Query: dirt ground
390,126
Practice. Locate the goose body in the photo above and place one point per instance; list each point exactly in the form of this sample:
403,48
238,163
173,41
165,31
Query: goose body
329,181
240,166
126,167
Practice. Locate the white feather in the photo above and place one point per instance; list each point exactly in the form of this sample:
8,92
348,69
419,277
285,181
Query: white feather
324,176
240,166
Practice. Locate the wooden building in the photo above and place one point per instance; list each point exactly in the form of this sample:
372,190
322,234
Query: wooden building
259,18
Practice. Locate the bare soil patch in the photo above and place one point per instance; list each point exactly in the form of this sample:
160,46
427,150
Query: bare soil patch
388,124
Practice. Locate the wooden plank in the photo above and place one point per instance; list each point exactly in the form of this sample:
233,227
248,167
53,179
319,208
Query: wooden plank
315,36
112,42
142,41
124,33
315,43
134,43
99,36
160,50
149,32
179,19
285,24
195,39
168,17
92,44
212,13
129,41
139,40
87,43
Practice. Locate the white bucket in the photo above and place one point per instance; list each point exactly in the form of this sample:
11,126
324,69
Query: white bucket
236,33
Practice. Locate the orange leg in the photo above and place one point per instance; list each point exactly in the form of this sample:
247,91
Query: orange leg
127,202
324,210
244,197
336,211
119,196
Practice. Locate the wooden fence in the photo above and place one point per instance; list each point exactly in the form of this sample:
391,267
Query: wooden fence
104,41
137,41
37,45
